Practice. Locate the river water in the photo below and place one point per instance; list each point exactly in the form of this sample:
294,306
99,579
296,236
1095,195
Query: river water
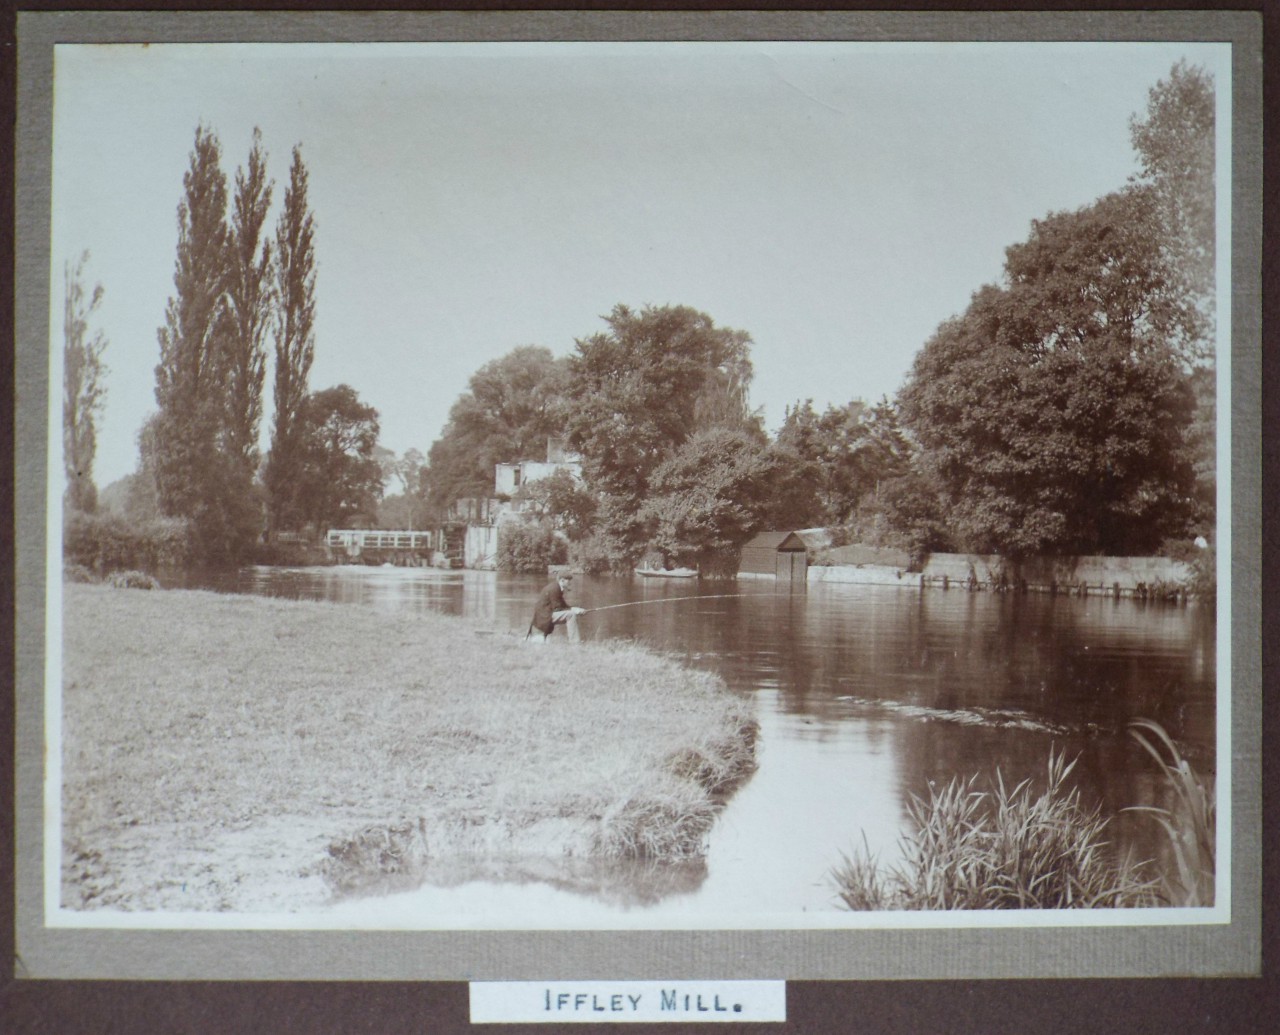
865,696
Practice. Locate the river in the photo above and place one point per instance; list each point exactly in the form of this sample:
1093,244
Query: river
865,696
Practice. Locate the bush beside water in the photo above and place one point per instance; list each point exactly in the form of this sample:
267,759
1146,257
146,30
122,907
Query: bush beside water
105,543
1203,583
528,549
132,580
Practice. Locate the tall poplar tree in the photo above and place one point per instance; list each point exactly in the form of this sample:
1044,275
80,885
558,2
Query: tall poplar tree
249,295
191,375
295,346
83,388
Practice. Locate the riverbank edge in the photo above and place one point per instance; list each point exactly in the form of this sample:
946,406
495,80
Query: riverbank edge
301,854
1117,577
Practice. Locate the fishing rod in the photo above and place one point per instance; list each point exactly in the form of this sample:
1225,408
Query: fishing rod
662,600
634,603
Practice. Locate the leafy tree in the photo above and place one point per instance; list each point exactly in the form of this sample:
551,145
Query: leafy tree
409,470
249,304
801,430
510,410
905,512
340,476
561,501
142,498
387,463
1175,146
639,391
1099,273
295,348
403,510
844,458
711,496
1052,413
83,388
1201,437
888,452
843,454
406,508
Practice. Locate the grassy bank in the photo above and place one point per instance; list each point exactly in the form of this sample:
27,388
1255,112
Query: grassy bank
232,752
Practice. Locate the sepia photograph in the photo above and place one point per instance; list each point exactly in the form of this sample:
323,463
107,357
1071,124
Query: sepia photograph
673,485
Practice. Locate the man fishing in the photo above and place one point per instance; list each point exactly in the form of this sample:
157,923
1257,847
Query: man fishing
552,609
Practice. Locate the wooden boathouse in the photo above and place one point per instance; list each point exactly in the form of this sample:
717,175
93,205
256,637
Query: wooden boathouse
784,555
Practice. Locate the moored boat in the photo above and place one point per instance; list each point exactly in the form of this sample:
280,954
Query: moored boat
667,573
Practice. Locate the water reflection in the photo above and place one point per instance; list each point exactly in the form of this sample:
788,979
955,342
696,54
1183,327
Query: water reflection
617,884
865,695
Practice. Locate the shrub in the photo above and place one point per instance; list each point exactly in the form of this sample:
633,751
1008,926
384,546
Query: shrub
998,849
720,564
904,513
603,554
526,549
77,573
103,543
841,535
1183,550
1203,583
132,580
559,550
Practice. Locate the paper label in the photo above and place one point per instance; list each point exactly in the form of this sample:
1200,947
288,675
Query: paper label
596,1002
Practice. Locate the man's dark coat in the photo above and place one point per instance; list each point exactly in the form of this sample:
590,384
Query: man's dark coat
550,600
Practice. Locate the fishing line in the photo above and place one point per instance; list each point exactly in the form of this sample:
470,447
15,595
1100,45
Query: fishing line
635,603
664,600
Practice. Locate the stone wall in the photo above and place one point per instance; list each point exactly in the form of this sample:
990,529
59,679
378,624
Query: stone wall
857,553
1099,574
1042,572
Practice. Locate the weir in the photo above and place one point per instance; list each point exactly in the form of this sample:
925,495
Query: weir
397,546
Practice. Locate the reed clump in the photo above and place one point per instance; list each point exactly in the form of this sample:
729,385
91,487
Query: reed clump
1190,825
998,848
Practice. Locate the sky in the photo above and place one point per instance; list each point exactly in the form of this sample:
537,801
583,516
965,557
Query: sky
836,201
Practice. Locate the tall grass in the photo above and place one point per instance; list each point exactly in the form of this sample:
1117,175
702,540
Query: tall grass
1013,849
1000,848
1191,826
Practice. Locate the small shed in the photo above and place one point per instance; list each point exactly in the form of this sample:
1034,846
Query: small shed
781,554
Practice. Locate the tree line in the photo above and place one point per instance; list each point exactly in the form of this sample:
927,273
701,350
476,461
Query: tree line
1068,409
